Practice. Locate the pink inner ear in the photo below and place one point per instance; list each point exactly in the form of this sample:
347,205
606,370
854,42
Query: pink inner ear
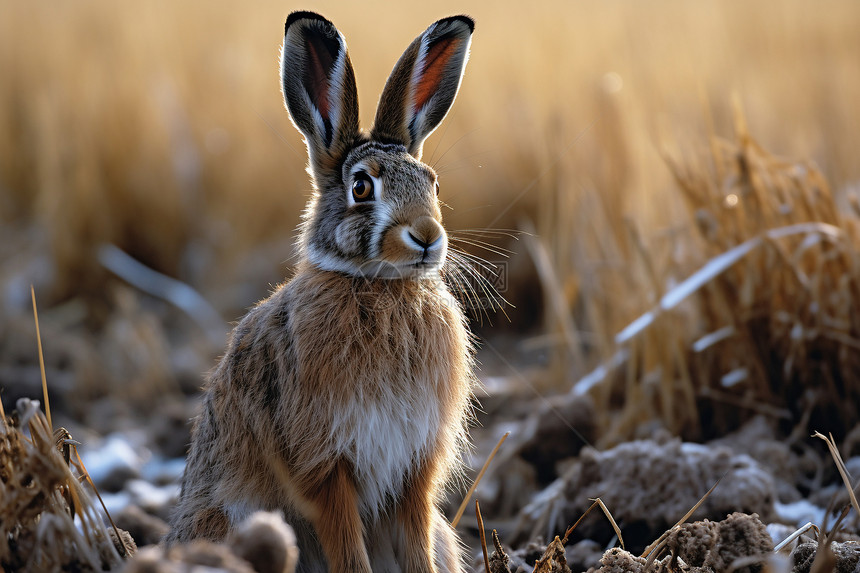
435,61
317,82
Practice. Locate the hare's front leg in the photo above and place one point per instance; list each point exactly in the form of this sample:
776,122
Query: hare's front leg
333,510
415,516
448,550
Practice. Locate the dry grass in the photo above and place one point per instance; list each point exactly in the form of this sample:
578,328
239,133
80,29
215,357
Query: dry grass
41,497
160,129
768,323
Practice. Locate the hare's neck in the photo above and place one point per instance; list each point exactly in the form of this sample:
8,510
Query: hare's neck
343,302
366,290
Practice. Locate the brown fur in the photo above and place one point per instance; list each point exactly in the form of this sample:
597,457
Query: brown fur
342,399
289,377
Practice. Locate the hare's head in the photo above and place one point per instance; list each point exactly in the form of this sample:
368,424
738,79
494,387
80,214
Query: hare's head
374,211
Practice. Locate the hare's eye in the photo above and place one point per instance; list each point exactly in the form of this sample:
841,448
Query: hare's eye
437,188
362,188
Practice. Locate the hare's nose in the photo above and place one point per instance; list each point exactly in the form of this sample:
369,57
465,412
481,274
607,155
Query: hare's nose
426,233
418,241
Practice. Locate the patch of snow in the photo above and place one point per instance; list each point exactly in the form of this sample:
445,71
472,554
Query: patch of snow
113,454
163,471
799,512
149,496
114,502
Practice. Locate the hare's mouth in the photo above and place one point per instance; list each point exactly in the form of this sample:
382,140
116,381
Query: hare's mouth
425,266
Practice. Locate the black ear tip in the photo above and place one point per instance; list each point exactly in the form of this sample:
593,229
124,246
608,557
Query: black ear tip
463,19
303,15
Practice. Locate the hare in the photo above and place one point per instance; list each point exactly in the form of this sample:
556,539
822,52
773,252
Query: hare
343,398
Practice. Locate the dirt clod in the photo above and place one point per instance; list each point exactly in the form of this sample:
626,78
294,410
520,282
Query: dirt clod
847,557
648,486
179,557
146,529
617,560
263,543
719,546
266,542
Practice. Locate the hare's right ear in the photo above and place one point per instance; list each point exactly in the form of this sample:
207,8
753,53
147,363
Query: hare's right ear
421,88
318,83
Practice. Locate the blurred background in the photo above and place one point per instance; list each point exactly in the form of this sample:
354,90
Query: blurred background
599,152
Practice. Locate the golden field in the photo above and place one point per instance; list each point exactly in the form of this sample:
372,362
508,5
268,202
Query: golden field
159,128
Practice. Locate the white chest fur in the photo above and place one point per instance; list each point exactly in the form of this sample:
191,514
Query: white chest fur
385,438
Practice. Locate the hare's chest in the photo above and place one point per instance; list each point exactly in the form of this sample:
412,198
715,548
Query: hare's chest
385,439
375,386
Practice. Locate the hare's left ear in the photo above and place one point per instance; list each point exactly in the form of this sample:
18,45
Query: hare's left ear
423,84
319,89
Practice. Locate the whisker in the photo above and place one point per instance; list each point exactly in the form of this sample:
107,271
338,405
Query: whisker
496,250
463,286
510,233
468,162
460,286
497,300
493,300
474,260
464,264
277,133
476,237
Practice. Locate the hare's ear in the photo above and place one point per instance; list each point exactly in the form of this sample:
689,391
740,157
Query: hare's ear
423,85
318,83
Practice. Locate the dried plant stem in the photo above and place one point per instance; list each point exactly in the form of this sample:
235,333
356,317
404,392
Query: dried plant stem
42,532
840,465
652,550
825,560
101,501
611,520
606,512
483,537
573,527
469,493
784,543
41,359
